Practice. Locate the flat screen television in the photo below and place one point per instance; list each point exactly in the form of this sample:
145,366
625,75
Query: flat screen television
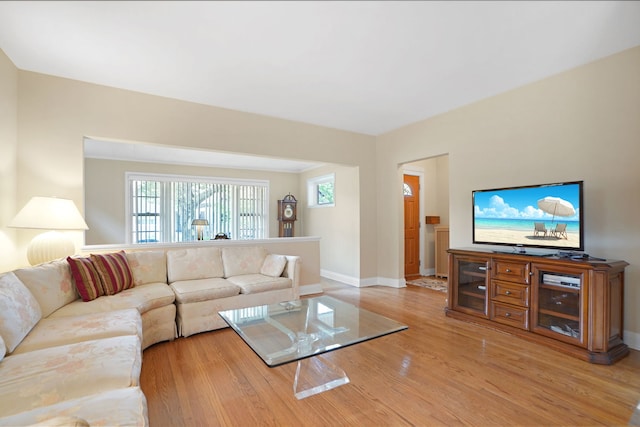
539,216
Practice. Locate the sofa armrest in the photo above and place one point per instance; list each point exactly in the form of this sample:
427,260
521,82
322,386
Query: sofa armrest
292,271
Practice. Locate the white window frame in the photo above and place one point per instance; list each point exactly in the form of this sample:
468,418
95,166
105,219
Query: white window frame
312,190
137,176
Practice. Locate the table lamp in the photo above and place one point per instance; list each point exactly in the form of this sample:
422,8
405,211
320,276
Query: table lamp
199,224
49,213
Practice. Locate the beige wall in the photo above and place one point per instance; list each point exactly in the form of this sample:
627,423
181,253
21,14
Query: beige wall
105,187
8,168
55,114
337,226
583,124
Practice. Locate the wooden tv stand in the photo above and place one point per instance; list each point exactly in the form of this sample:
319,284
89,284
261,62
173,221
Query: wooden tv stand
574,306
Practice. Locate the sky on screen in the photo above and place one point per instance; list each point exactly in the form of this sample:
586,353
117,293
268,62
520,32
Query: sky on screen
522,203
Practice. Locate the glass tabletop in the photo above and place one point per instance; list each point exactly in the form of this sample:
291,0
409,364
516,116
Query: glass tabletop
289,331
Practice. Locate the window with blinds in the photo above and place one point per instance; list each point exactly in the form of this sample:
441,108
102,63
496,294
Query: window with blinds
161,208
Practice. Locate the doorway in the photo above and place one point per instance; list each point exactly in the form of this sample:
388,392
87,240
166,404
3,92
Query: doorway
411,191
432,175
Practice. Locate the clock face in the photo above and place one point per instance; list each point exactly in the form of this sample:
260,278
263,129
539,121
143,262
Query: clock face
288,211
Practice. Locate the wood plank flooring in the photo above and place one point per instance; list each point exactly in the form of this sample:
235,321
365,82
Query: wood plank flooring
440,371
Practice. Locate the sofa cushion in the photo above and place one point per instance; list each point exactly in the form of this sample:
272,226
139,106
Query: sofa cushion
148,267
3,348
203,289
114,271
50,283
86,278
49,376
56,331
194,263
273,265
142,298
243,260
19,310
118,407
254,283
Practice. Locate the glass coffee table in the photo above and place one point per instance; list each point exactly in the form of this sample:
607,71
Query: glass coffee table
302,330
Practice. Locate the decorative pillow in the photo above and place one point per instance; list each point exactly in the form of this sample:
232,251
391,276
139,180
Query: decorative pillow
273,265
86,278
50,283
148,267
19,310
114,271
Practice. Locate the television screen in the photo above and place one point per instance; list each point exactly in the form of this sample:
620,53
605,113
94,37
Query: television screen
541,216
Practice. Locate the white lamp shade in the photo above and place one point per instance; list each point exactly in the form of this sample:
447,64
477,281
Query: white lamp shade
49,213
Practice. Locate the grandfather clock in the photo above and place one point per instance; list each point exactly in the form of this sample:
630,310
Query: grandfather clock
287,215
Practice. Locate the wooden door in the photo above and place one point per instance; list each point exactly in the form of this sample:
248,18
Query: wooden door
411,225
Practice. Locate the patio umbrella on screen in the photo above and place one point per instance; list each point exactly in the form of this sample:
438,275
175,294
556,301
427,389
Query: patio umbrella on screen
556,207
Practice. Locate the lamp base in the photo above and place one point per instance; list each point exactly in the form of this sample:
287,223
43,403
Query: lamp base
49,246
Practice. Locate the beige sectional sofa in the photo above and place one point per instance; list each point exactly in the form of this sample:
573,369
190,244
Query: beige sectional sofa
232,277
66,360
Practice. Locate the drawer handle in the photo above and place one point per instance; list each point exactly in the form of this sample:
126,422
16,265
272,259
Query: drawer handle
507,292
507,314
508,270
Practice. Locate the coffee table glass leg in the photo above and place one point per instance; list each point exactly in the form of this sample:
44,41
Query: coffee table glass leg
315,375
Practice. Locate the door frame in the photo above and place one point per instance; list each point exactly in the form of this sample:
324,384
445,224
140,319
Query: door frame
419,172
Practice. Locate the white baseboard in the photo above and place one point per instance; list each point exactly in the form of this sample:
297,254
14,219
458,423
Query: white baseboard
342,278
392,283
362,283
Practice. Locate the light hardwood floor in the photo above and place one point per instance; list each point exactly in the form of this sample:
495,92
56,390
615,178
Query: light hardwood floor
440,371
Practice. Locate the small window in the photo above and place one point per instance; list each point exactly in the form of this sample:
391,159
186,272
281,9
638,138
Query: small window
321,191
407,190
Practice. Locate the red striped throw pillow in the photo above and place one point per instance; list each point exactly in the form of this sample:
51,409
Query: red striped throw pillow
86,278
114,271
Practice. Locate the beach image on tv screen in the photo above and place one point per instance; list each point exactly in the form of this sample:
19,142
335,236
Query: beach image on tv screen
529,216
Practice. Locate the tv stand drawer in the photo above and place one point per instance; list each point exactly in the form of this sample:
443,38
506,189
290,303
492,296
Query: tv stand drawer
510,293
512,271
510,315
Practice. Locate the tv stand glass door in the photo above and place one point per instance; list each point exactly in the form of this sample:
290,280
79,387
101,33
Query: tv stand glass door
559,312
471,284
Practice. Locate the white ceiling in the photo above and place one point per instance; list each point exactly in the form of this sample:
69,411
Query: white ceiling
367,67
